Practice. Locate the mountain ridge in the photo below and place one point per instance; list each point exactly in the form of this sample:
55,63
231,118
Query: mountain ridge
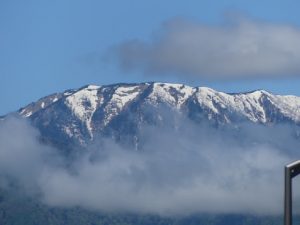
71,91
118,110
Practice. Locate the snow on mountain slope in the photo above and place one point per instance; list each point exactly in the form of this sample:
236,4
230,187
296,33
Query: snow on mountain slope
120,98
83,104
173,94
119,109
249,105
288,105
40,104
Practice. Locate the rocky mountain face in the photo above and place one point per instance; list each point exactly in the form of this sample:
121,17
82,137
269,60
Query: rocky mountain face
77,117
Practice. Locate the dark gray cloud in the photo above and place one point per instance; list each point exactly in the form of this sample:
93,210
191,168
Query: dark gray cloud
178,171
241,49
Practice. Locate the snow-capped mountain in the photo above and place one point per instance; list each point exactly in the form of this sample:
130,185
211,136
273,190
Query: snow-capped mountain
78,116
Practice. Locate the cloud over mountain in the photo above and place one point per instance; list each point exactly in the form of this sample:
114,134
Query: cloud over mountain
244,48
178,172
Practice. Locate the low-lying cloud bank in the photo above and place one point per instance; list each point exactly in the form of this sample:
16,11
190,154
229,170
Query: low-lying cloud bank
241,49
179,171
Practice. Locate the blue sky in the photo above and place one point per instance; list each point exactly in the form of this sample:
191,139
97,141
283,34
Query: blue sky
49,46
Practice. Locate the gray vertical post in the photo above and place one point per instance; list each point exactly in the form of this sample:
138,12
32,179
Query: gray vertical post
291,170
287,197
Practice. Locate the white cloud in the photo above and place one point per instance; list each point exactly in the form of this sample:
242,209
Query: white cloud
243,49
178,172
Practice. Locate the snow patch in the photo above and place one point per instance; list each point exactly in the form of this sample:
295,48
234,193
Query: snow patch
121,97
28,114
205,98
22,111
93,87
248,104
68,131
67,93
288,105
83,105
173,94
